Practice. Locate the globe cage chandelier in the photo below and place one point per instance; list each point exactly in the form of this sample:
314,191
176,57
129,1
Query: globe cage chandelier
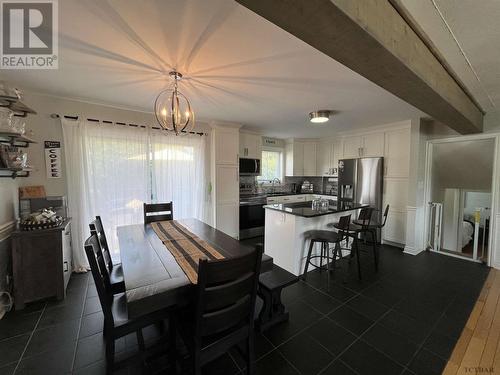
173,110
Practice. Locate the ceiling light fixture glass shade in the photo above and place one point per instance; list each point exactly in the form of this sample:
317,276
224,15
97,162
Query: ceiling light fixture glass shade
173,110
318,117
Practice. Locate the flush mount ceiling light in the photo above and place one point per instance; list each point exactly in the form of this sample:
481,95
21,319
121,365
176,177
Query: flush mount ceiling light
173,110
320,116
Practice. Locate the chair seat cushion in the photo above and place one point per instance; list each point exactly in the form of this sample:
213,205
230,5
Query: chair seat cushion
371,226
322,235
116,279
119,309
352,227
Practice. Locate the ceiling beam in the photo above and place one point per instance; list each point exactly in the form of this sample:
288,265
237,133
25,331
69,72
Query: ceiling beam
373,39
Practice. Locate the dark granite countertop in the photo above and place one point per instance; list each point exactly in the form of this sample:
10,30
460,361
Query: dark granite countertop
304,208
279,194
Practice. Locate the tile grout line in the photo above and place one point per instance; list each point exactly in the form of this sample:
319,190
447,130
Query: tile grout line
80,325
29,339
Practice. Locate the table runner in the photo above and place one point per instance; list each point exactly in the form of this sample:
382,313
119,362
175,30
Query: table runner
186,247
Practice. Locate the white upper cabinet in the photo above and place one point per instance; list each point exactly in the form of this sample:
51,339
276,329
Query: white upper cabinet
372,145
351,147
397,153
366,145
250,146
301,158
227,146
309,159
328,154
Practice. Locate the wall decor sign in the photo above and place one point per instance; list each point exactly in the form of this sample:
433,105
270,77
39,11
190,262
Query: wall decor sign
53,159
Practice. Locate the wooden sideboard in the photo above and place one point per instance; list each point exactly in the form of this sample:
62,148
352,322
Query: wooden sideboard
42,263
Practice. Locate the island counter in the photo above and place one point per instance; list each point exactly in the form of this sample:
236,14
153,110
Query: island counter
286,224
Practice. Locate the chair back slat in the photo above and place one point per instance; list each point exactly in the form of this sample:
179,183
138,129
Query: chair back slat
365,216
97,228
344,223
100,275
234,315
158,212
221,296
226,293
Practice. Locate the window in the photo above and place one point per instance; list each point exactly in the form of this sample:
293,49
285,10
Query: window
271,165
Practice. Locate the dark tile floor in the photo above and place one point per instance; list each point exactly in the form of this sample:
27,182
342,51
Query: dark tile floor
404,319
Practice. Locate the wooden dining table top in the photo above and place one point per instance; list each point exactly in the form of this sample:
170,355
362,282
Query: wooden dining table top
153,278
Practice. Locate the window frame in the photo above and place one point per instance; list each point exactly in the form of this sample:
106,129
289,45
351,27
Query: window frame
281,151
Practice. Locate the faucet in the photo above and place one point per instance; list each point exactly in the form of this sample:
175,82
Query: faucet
273,181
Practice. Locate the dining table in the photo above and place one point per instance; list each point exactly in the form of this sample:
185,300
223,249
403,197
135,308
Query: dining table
153,278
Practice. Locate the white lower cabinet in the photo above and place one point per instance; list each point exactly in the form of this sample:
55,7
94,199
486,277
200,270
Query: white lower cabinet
226,219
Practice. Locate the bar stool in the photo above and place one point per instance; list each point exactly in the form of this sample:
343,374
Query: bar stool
362,225
325,238
373,227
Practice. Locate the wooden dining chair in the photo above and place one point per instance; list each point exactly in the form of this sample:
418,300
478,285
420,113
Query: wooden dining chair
223,314
114,307
158,212
115,271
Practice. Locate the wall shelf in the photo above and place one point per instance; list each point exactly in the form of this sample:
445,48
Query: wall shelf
15,105
15,139
15,172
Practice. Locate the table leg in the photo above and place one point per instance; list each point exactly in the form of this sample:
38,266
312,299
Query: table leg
273,311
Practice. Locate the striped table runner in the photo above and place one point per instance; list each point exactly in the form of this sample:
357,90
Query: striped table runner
186,247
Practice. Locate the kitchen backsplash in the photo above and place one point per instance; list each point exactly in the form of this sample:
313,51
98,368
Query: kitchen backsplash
321,184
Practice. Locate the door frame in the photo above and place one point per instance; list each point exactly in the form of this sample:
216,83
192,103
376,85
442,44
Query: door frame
492,256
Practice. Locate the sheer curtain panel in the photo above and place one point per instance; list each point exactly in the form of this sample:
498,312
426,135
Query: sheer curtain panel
107,175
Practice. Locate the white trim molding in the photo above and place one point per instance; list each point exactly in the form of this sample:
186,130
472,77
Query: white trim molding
411,244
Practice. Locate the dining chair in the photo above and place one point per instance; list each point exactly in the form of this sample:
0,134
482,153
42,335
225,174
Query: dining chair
158,212
114,307
115,271
222,316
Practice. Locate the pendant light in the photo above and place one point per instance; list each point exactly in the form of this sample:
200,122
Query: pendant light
173,110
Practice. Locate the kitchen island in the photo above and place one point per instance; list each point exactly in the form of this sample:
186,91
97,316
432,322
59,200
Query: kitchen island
286,224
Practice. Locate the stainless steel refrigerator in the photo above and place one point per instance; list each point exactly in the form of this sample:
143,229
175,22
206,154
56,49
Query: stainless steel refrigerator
361,181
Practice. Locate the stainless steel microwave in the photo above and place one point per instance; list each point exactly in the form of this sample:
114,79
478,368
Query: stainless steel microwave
249,167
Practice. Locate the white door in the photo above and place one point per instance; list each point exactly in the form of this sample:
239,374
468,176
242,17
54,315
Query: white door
351,147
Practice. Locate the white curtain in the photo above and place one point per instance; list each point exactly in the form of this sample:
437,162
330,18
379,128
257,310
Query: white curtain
113,169
178,173
107,175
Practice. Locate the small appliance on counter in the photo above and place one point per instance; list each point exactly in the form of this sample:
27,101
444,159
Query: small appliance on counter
307,187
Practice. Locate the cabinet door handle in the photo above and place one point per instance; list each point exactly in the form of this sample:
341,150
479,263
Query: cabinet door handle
65,264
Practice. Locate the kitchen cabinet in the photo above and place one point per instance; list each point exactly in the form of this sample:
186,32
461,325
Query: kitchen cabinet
294,157
328,155
225,179
309,158
367,145
300,157
397,153
250,146
41,263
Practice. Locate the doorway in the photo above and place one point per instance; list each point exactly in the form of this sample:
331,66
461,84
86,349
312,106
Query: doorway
460,180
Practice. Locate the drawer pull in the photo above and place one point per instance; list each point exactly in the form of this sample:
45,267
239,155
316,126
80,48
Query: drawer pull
66,268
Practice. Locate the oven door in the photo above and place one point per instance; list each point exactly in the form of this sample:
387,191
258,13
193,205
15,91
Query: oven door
252,220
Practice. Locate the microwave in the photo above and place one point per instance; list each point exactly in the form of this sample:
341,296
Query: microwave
249,167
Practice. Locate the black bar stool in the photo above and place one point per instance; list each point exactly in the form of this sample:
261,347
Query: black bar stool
325,238
362,225
373,227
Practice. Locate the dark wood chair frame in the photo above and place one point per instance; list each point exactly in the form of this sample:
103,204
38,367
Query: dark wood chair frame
223,311
115,273
151,208
110,305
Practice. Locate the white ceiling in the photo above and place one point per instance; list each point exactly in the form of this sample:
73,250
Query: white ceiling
467,34
240,67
